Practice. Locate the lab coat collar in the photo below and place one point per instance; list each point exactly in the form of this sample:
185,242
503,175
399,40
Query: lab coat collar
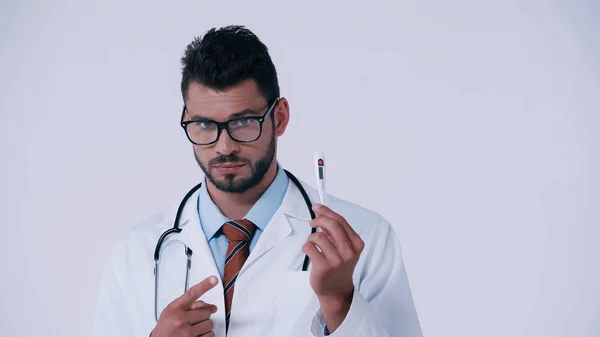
212,219
293,204
279,228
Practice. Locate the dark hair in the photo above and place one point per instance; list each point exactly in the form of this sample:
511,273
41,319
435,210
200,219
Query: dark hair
227,56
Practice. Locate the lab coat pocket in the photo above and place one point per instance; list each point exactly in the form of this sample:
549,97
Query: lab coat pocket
296,304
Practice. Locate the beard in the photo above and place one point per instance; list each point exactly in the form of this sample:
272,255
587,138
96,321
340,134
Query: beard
229,183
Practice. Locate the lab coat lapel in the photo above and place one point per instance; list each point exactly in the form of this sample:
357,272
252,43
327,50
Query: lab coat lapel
203,263
281,225
193,236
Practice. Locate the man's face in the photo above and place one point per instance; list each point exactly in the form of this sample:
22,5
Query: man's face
232,166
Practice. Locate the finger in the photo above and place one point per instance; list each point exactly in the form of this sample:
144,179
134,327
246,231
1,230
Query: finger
336,234
189,297
317,223
208,334
322,210
328,250
197,315
202,304
314,254
202,329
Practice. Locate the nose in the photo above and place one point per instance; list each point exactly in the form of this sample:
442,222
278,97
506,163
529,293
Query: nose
225,145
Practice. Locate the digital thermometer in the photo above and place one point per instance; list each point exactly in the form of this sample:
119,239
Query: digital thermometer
320,175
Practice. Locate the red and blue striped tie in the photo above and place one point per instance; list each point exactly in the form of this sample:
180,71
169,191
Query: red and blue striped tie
239,233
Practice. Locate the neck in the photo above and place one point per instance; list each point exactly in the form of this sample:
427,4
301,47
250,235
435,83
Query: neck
237,205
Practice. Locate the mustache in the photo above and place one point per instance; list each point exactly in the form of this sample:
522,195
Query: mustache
232,158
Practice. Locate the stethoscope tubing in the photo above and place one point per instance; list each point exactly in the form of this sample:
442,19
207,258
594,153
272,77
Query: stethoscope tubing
177,229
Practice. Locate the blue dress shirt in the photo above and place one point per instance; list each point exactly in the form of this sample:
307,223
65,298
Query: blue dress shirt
211,218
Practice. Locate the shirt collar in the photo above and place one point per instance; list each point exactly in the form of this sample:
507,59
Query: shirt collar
211,218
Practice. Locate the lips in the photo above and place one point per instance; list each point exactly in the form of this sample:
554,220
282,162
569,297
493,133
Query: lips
229,165
229,168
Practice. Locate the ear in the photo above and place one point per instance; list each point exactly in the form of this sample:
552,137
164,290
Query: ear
282,116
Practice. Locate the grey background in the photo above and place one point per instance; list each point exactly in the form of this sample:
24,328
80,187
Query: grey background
471,125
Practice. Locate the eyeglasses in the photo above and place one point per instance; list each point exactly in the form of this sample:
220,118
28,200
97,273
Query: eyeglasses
241,129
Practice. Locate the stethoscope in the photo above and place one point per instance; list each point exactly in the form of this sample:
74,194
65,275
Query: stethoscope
188,251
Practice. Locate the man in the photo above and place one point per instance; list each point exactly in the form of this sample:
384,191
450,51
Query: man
248,228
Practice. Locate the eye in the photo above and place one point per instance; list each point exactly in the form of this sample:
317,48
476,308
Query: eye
206,124
241,122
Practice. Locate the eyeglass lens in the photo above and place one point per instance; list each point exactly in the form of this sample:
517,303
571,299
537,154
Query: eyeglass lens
243,130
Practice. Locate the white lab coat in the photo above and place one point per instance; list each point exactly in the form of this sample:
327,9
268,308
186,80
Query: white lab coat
272,295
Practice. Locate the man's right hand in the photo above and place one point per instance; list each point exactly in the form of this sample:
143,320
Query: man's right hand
187,317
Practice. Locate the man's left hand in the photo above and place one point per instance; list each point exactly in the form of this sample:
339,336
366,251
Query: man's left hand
333,266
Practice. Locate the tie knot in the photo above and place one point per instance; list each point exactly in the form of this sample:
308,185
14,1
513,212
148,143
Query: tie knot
239,230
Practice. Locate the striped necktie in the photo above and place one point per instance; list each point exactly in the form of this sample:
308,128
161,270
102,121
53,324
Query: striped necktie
238,233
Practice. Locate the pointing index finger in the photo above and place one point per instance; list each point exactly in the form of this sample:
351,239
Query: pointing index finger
186,300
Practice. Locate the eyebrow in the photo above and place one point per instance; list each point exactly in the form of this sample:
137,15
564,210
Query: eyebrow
242,113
